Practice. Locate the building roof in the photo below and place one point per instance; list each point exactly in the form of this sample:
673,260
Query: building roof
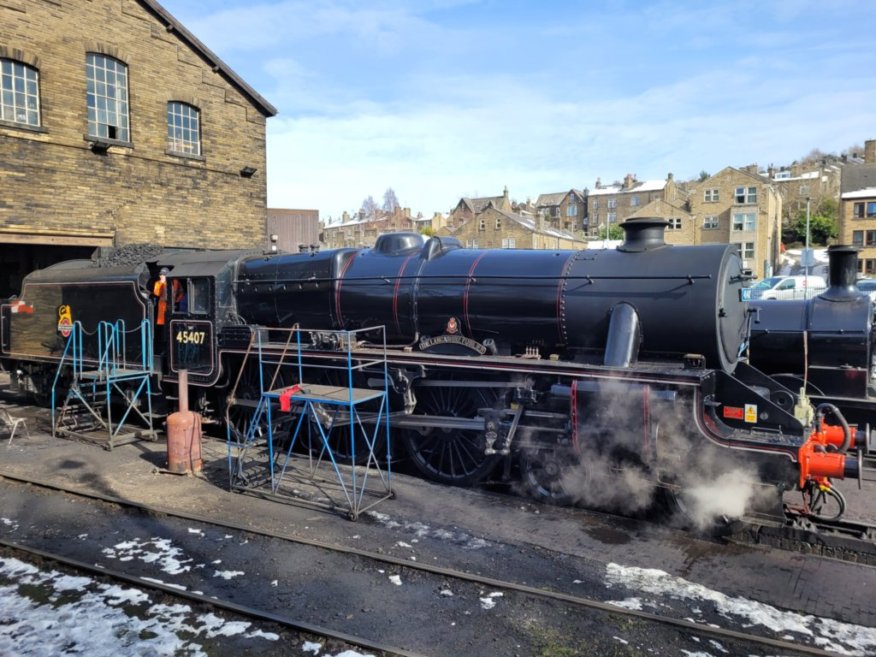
637,187
173,25
546,200
478,205
858,177
532,225
867,192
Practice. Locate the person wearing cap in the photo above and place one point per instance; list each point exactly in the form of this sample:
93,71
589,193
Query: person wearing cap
160,290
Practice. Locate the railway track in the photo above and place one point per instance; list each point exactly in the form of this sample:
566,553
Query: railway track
264,624
582,614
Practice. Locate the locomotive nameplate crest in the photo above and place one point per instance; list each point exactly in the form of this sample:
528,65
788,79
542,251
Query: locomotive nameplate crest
449,342
65,320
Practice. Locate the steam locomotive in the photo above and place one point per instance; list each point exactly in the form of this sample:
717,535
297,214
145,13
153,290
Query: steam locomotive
586,375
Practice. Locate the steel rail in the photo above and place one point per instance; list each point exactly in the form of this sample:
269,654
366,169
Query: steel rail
210,601
589,603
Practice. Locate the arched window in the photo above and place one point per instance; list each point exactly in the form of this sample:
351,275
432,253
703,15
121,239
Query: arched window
183,128
19,93
107,97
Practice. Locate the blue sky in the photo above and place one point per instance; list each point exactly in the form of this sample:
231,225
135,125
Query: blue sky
440,99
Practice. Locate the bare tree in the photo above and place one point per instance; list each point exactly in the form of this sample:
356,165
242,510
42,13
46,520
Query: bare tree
369,206
390,200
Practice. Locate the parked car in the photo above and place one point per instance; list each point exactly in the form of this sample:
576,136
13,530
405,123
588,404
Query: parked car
788,287
868,286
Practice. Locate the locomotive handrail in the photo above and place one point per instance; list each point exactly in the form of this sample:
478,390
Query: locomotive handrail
513,277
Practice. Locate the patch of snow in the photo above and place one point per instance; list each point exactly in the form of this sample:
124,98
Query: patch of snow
489,600
395,579
97,619
826,633
228,574
630,603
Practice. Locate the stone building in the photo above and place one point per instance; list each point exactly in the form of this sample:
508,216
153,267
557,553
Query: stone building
565,210
799,183
362,231
468,208
499,229
738,206
857,211
613,204
118,126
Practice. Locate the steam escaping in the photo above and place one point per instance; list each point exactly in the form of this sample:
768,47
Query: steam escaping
728,496
622,462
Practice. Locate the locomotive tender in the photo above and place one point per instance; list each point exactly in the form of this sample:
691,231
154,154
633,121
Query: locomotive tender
561,365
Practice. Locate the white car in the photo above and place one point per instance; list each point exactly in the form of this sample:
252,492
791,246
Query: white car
788,287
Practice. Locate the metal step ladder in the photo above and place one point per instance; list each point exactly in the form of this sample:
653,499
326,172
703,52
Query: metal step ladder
314,417
105,380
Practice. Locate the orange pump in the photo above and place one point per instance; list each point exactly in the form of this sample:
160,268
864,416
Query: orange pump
816,462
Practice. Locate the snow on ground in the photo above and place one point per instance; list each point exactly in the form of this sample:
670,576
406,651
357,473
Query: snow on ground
49,613
421,530
826,633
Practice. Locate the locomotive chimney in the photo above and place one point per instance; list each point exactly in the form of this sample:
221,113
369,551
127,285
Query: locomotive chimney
843,271
643,234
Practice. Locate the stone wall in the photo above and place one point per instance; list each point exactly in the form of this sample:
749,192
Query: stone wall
50,178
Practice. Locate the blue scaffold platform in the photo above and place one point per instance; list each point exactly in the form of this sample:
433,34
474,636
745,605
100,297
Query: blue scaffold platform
315,436
101,372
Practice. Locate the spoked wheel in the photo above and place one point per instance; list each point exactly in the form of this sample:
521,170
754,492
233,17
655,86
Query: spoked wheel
445,454
553,477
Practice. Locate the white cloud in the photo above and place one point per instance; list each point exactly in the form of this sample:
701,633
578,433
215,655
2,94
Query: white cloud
438,103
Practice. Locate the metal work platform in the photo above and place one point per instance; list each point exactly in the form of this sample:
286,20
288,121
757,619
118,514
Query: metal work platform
323,443
98,374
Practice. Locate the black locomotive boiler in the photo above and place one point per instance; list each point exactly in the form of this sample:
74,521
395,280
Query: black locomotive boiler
569,369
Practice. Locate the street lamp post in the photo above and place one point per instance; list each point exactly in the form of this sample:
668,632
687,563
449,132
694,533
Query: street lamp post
808,255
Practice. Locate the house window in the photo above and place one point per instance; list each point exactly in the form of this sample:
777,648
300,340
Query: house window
472,244
674,223
555,211
864,237
509,243
744,220
596,204
498,223
634,201
572,210
612,217
183,128
864,209
482,225
19,93
804,189
710,223
712,195
747,195
107,97
867,266
746,251
612,203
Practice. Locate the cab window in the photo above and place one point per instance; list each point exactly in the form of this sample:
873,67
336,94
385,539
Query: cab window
786,285
191,296
199,296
